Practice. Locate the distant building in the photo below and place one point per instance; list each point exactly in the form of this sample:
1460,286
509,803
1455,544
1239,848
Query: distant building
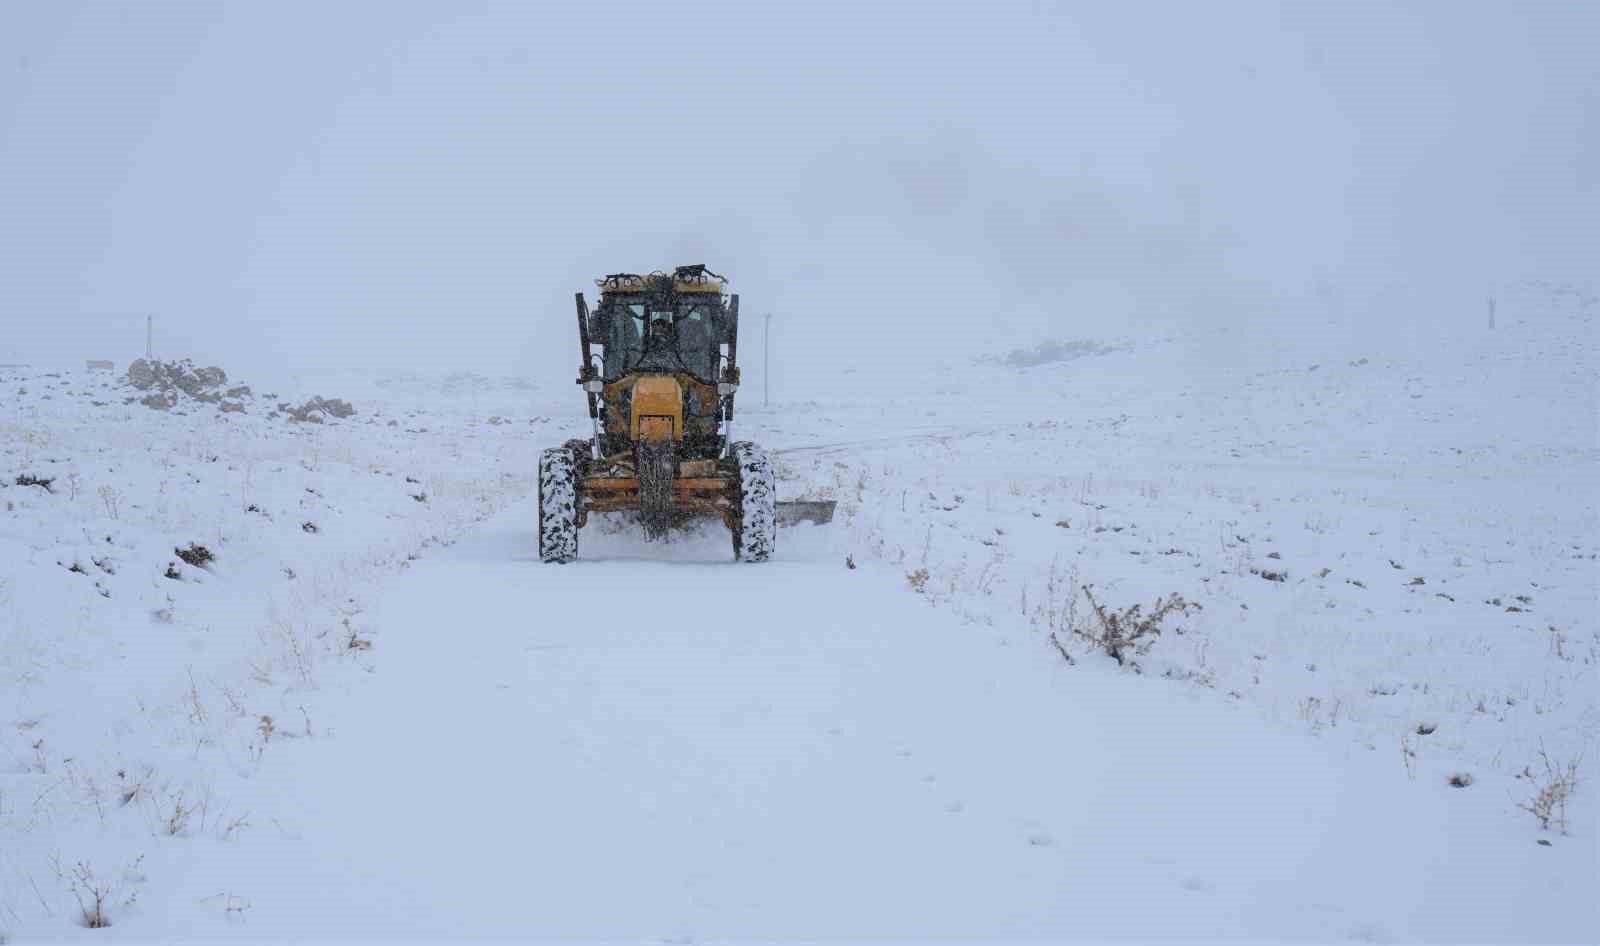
95,365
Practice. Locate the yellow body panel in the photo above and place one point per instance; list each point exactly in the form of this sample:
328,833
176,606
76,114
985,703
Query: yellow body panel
657,408
654,427
698,416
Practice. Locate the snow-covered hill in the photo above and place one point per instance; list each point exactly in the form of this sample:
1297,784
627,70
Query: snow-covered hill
1383,541
373,713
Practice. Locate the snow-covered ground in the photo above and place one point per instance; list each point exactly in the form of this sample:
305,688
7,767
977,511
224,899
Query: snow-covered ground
398,722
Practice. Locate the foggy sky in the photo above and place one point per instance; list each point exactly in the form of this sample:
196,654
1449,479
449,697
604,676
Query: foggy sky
426,184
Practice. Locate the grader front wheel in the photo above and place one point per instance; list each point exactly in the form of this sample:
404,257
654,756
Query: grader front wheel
558,506
756,524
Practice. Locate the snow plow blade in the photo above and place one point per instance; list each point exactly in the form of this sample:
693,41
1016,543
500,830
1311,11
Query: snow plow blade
805,510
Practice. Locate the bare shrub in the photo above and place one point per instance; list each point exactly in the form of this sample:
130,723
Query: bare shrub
197,706
1130,630
918,580
1552,787
296,644
178,820
112,500
1055,641
233,905
92,895
1059,610
353,639
130,790
231,830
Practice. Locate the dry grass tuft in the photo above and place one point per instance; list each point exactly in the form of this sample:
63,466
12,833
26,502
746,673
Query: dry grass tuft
28,479
353,639
196,554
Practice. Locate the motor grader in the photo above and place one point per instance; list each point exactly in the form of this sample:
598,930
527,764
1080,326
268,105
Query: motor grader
660,393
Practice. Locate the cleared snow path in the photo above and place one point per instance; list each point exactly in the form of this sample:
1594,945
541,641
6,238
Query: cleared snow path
656,742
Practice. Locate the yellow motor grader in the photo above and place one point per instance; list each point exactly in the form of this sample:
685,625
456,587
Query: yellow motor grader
661,394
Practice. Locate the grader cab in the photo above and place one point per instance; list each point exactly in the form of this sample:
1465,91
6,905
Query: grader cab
661,393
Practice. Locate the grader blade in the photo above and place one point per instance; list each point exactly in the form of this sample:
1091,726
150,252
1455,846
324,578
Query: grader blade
795,511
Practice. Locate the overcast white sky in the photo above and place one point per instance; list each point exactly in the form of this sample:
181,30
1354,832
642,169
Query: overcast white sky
426,184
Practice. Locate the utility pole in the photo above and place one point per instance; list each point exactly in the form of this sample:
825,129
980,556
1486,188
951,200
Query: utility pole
1491,312
149,338
766,363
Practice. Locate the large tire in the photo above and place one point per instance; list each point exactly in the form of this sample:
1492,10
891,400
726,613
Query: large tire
558,506
757,522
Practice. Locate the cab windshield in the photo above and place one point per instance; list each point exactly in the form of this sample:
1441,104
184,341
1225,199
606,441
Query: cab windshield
646,337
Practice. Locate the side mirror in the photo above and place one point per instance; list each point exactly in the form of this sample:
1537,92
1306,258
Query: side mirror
725,388
594,385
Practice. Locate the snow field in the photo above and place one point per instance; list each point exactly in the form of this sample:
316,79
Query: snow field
396,722
142,693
